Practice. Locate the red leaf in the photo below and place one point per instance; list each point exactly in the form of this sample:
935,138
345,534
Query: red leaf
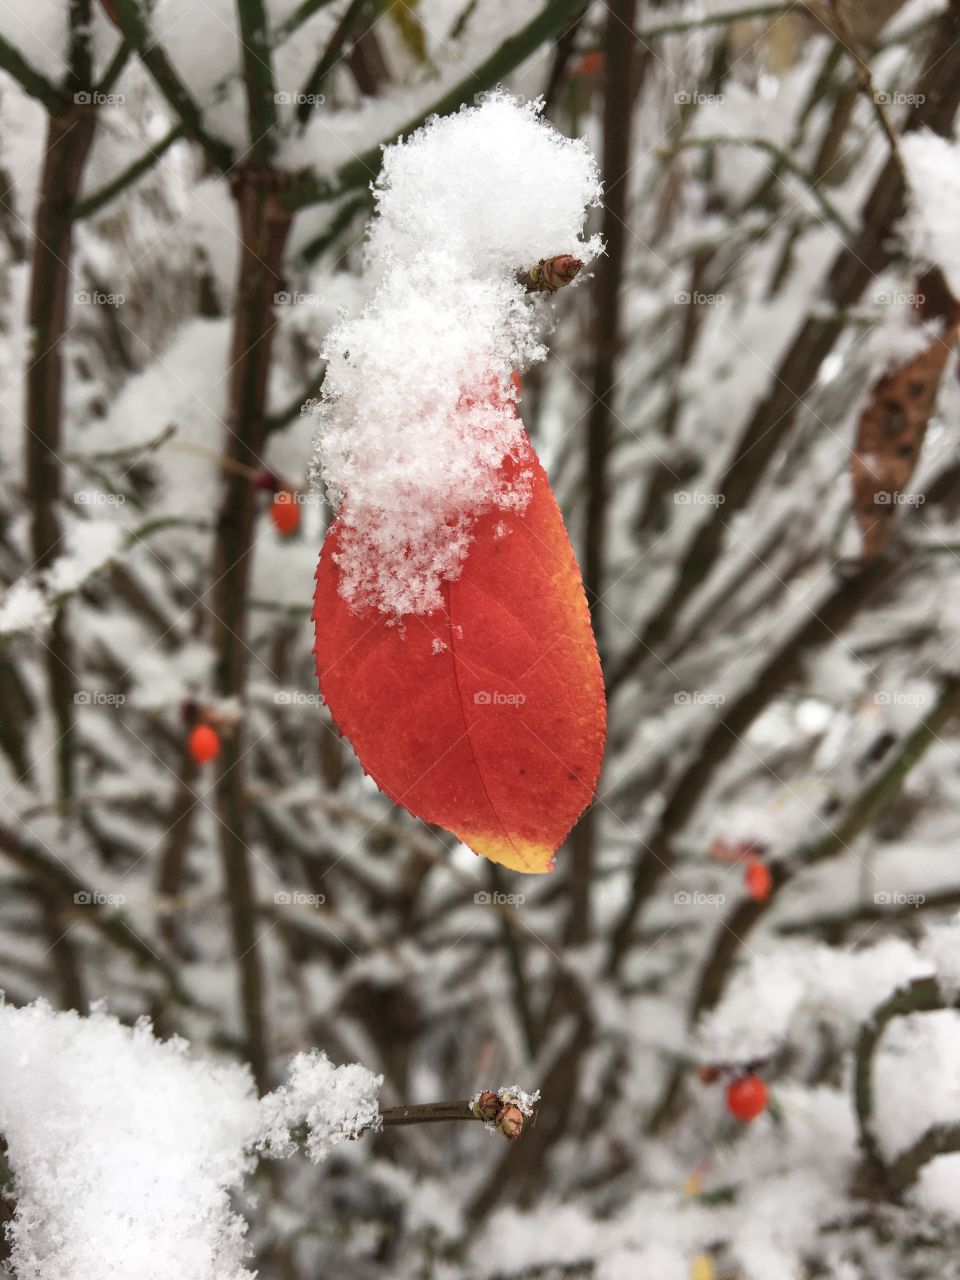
487,716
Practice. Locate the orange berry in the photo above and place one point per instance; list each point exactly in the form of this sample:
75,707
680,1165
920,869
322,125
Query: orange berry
203,743
285,514
517,384
590,63
747,1097
757,880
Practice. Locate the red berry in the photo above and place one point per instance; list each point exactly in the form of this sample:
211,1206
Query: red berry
517,384
285,513
590,64
747,1097
203,743
757,880
708,1073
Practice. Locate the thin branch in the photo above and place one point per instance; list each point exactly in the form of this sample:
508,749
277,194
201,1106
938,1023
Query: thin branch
303,12
923,995
853,268
318,246
311,189
329,58
851,45
127,177
30,79
720,19
784,160
258,80
169,83
116,67
293,408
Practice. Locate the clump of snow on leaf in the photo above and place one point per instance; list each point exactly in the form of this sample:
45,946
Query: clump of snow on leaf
417,413
333,1104
494,185
123,1149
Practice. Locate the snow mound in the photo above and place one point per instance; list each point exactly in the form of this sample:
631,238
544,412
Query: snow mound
123,1150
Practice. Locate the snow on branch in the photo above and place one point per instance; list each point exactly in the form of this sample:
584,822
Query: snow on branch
123,1148
333,1104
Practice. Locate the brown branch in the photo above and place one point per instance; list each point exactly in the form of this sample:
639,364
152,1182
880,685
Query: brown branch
263,228
872,800
938,98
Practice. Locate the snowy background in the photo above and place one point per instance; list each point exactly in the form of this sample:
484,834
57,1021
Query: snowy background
222,979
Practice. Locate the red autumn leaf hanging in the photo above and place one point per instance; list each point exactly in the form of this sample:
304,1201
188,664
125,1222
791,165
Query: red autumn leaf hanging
486,716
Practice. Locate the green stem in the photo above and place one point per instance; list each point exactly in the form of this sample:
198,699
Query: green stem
923,995
331,56
29,78
94,203
784,161
276,421
550,20
152,56
258,80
